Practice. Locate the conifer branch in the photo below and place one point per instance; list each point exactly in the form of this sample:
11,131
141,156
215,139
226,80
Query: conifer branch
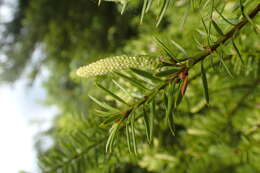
179,77
197,58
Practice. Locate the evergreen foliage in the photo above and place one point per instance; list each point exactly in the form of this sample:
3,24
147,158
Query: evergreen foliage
180,97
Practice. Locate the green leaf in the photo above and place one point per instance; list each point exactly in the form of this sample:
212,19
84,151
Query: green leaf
103,113
211,17
110,120
170,121
168,72
145,74
147,125
199,45
170,107
205,83
128,137
179,47
166,49
225,19
208,32
206,3
148,5
202,33
152,112
163,10
217,28
133,81
121,87
111,138
112,94
104,105
237,50
165,99
124,7
132,121
224,64
145,4
204,25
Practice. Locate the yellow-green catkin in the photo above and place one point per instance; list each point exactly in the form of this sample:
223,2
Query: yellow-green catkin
116,63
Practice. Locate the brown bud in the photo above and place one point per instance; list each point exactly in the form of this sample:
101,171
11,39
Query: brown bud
184,85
